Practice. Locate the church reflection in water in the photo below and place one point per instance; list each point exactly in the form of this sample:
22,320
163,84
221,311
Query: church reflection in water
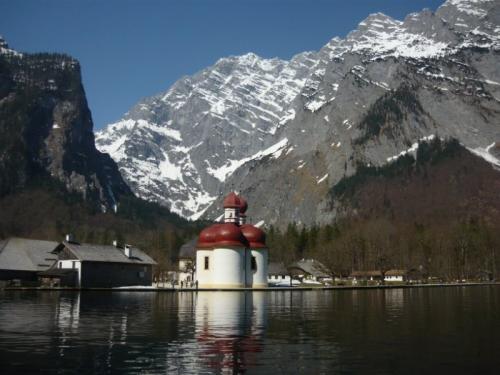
185,332
230,328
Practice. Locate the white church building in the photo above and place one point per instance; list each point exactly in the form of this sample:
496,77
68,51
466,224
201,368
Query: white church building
232,254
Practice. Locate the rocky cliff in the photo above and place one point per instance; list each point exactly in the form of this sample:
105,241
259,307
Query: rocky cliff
285,132
46,129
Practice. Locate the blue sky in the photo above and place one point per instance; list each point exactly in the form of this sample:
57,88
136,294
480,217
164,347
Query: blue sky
130,49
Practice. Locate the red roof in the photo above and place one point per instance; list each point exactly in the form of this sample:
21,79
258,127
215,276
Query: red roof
243,205
206,239
255,236
229,234
232,201
219,235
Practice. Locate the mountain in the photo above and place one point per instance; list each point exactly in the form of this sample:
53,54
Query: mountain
46,129
53,180
178,147
285,133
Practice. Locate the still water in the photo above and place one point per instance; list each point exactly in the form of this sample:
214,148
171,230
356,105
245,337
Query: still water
393,331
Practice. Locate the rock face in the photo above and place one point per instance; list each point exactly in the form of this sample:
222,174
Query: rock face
284,133
178,147
46,129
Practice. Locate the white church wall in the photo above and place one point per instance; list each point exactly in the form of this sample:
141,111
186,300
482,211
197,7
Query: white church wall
259,276
229,267
204,276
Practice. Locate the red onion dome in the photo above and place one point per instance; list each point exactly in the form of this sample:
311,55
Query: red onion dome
229,234
255,236
243,205
232,201
207,236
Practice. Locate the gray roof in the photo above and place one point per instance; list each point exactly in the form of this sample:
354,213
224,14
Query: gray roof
277,268
311,267
188,250
103,253
22,254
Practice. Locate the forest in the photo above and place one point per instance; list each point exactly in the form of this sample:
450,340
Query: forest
456,250
437,212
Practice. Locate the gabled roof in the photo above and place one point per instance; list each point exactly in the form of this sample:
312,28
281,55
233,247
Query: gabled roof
396,273
277,268
188,250
23,254
311,267
373,273
103,253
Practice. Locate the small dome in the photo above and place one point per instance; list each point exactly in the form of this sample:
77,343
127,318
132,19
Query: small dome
255,236
232,201
207,237
229,234
243,205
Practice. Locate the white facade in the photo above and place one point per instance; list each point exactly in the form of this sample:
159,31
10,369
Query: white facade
72,264
398,278
231,215
228,267
259,274
204,264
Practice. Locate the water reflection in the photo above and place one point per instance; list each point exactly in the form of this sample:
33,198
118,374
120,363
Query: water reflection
375,331
229,329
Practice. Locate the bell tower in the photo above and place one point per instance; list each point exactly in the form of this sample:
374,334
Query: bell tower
232,209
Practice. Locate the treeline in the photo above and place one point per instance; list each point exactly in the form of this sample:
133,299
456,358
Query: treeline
49,212
461,249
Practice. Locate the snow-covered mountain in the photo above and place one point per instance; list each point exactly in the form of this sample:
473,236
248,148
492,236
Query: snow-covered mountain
178,147
285,132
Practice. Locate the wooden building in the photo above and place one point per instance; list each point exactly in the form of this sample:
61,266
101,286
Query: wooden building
98,266
309,271
21,259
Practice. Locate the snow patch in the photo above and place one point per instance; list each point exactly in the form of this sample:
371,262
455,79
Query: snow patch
484,153
412,150
228,169
322,179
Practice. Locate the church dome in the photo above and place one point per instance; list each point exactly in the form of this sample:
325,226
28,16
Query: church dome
229,234
243,205
232,201
207,236
255,236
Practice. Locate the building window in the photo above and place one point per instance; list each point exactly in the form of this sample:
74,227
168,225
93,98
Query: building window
283,277
60,264
73,264
206,263
254,264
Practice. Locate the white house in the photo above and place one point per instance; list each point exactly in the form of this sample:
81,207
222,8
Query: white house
278,275
395,276
232,254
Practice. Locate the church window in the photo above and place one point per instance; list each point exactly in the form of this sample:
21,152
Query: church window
206,263
254,264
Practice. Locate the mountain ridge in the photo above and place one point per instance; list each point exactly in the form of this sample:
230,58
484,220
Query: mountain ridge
446,58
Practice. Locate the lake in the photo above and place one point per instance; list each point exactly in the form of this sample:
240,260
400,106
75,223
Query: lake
379,331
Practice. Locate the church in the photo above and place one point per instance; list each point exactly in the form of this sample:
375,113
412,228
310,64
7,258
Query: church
232,254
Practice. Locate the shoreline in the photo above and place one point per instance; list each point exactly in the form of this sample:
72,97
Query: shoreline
269,289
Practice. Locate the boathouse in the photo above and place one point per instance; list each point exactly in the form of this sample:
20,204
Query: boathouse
21,259
309,271
98,266
232,254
